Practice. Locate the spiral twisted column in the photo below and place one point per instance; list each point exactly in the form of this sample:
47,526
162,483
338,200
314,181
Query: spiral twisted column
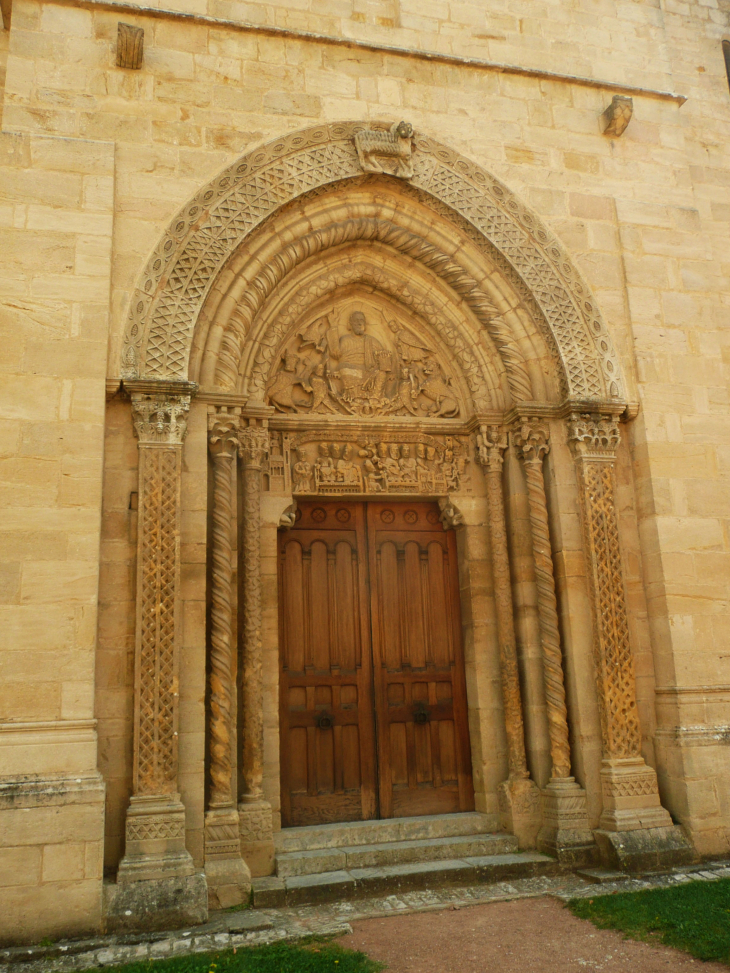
519,798
492,443
228,876
223,444
254,444
532,441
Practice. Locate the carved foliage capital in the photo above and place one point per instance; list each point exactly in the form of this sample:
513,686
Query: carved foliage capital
253,445
594,436
223,433
532,439
160,418
491,444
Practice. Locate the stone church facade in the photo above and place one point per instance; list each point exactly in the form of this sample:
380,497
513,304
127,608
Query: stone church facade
365,437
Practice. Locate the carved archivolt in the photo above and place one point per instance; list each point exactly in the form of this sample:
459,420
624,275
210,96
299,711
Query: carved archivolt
212,227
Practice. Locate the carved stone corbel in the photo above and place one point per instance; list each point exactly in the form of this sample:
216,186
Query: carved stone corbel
566,829
519,797
630,793
229,879
255,819
156,860
451,516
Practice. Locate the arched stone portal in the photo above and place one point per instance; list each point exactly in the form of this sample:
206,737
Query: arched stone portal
357,331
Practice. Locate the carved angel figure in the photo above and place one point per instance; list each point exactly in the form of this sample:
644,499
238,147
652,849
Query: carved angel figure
408,344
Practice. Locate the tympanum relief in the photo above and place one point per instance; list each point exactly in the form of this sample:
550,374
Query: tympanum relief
361,361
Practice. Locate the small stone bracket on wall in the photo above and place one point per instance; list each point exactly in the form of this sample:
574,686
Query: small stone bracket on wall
130,46
617,116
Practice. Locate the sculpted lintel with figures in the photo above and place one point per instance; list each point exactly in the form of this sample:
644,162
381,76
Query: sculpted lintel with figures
332,368
392,463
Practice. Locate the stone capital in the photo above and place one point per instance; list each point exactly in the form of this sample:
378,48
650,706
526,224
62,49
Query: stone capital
223,433
532,438
491,444
160,418
594,436
253,446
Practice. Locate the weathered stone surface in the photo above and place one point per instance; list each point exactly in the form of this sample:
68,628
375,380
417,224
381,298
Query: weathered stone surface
167,903
196,219
646,849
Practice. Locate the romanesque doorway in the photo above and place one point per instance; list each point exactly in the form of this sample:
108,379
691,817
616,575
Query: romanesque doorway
372,688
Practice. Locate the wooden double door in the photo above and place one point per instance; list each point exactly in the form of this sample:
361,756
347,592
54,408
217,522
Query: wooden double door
373,713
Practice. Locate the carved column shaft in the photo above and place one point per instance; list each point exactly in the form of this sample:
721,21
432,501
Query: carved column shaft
630,791
533,444
492,445
155,827
594,440
254,441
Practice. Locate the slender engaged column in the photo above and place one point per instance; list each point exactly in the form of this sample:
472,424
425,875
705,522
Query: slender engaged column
229,879
630,793
519,796
254,812
156,860
566,829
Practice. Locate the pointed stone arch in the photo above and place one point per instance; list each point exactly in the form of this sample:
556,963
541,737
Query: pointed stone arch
207,234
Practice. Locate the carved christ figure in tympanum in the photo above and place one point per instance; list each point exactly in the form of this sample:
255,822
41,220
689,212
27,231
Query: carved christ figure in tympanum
354,355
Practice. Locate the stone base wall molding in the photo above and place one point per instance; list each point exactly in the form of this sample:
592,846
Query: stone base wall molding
157,869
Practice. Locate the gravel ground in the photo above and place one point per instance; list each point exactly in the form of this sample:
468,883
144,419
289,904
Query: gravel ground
528,935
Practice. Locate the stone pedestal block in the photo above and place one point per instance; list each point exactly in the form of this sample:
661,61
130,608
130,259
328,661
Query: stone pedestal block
257,837
565,831
166,903
519,810
646,849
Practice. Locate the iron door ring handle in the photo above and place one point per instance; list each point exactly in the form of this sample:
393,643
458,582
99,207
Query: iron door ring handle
421,716
325,721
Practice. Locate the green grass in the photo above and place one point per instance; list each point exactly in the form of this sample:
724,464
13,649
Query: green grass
310,957
694,917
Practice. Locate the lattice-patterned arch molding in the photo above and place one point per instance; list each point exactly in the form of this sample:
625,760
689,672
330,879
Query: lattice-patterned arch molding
179,274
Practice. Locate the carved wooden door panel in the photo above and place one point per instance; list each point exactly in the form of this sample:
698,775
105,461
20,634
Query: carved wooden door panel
328,769
370,653
423,739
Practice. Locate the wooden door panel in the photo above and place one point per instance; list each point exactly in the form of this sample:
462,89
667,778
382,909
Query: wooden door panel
423,744
326,704
371,650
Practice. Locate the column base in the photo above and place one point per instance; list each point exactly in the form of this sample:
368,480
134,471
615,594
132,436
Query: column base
257,837
566,831
645,849
631,796
155,840
228,876
519,809
157,884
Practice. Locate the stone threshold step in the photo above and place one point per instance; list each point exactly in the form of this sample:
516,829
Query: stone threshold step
275,891
291,864
374,832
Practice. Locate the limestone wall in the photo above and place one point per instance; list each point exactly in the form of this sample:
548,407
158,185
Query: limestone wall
56,201
96,160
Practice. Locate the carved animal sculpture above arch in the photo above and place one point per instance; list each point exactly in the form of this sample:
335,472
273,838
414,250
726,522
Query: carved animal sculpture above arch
211,229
